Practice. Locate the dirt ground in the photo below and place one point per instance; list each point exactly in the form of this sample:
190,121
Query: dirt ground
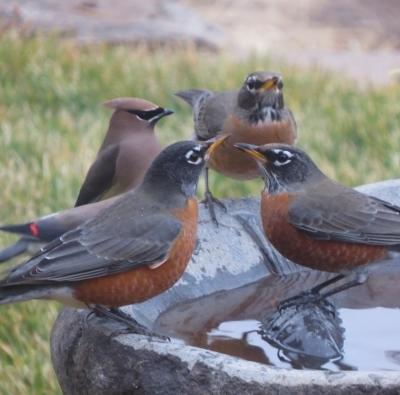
310,24
360,38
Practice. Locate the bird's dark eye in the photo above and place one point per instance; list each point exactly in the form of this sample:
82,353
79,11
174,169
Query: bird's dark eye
193,157
253,84
282,157
148,115
279,85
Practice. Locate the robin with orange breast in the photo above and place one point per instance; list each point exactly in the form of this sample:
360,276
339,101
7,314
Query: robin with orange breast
126,153
317,222
134,250
255,114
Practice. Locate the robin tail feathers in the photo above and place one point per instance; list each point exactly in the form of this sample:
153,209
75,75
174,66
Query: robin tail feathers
191,96
20,293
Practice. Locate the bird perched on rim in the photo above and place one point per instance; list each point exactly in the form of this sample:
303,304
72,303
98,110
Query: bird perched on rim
127,151
317,222
135,249
254,114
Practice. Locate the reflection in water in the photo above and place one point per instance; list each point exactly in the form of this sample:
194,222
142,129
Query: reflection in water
356,334
308,335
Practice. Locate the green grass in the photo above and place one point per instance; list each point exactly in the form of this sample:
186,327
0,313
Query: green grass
51,124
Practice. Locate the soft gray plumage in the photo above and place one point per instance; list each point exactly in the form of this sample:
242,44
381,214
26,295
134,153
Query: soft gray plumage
330,211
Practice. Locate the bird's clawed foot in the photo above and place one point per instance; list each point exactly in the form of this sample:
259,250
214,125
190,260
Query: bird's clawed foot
210,201
132,326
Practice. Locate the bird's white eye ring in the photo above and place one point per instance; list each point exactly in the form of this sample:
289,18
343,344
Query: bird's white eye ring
282,157
193,157
278,163
251,83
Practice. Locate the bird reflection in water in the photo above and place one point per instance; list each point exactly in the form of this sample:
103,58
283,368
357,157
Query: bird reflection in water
307,335
246,323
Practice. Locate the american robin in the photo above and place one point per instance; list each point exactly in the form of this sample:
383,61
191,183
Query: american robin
127,151
135,249
317,222
255,114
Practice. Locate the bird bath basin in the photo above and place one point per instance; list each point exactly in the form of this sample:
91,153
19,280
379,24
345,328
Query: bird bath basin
214,315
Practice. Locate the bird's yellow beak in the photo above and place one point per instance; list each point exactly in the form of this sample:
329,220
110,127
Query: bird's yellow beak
269,84
253,151
214,144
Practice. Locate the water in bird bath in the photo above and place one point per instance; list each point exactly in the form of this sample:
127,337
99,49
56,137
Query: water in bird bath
356,330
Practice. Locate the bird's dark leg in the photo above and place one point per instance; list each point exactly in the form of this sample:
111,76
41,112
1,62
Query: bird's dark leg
358,280
119,316
314,295
210,200
324,284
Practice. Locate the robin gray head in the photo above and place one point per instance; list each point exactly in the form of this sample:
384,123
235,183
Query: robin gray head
261,99
177,168
284,167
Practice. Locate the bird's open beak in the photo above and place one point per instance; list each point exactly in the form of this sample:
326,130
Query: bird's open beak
253,151
270,84
213,144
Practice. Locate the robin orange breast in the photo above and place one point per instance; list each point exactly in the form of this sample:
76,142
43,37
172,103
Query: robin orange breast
126,153
135,249
315,221
254,114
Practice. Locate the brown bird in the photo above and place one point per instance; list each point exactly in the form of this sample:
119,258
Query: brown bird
317,222
135,249
255,114
126,153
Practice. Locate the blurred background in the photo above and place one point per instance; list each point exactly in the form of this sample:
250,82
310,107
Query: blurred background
60,60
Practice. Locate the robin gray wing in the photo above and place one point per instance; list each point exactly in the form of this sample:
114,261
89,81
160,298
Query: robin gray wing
99,177
209,110
198,99
212,113
94,250
343,214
